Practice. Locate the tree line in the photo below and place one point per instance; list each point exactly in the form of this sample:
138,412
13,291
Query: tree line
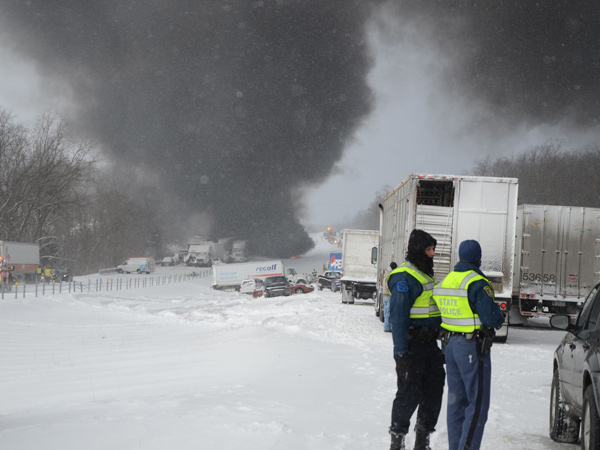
83,212
550,175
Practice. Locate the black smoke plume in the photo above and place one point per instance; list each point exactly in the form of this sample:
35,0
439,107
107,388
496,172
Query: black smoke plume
236,104
533,62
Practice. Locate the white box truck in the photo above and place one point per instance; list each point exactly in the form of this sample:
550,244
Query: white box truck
359,264
557,260
137,265
231,275
23,256
452,209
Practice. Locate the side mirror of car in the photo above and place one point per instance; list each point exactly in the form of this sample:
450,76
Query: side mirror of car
561,322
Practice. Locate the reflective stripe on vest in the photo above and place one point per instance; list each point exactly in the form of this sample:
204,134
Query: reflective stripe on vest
424,305
452,300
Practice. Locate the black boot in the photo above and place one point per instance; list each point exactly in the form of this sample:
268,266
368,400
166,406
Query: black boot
397,441
422,441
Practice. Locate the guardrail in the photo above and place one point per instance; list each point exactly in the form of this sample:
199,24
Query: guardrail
99,284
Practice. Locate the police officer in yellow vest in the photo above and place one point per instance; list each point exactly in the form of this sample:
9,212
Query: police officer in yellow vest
465,299
47,274
415,323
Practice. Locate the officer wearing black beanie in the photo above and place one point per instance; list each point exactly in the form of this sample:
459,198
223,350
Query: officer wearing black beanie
415,322
418,242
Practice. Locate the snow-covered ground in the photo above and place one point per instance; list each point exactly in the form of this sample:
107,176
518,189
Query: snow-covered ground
181,366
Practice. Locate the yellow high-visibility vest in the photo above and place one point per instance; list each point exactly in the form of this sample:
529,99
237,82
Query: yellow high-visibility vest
451,297
424,306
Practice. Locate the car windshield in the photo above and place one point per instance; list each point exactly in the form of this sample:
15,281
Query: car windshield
272,280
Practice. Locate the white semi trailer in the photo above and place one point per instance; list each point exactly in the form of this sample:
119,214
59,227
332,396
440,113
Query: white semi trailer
557,260
22,257
239,252
452,209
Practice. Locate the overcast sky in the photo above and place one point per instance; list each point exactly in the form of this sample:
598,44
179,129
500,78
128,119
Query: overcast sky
417,125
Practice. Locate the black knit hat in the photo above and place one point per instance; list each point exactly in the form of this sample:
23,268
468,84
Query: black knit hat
417,243
419,240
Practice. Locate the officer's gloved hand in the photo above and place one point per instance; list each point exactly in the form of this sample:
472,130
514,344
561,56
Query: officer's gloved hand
487,332
486,339
402,365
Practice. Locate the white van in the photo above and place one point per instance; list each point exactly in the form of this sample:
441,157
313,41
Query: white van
139,265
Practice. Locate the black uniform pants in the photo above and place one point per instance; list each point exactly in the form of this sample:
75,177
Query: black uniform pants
420,384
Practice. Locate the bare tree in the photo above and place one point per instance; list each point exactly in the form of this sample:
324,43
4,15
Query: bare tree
368,219
41,171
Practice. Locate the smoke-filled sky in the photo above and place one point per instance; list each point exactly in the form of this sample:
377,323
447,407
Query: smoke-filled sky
255,105
459,80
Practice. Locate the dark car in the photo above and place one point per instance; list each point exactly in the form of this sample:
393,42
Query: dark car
59,275
574,396
330,280
301,288
277,285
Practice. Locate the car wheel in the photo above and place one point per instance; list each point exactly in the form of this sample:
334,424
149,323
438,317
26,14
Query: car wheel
562,427
120,271
138,271
590,422
301,282
299,291
320,287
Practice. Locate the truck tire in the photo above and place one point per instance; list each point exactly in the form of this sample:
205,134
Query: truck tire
381,311
562,427
301,282
138,271
590,422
